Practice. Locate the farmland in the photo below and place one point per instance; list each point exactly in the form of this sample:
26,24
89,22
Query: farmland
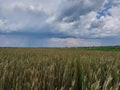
59,69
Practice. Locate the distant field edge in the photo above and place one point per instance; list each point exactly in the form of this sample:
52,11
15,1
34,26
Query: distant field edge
101,48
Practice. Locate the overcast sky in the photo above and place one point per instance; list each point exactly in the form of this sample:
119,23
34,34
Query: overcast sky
59,23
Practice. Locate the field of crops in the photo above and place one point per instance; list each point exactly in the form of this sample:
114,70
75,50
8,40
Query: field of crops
59,69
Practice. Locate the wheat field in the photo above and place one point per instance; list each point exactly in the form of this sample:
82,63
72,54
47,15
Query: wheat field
59,69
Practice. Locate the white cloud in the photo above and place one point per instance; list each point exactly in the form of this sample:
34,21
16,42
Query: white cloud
25,14
65,18
87,25
115,11
72,42
109,26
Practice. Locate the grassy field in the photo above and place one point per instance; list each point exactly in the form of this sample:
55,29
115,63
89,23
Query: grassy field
104,48
59,69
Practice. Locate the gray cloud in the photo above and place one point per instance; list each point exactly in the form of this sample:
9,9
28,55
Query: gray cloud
23,41
24,14
78,18
71,10
63,20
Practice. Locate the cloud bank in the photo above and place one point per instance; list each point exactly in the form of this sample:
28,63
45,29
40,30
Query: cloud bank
63,23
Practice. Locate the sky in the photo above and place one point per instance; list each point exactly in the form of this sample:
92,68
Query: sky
59,23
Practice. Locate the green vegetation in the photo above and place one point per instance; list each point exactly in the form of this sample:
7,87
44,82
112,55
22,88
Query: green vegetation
104,48
59,69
